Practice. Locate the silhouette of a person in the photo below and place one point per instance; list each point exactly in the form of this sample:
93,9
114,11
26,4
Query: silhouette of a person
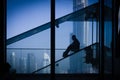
74,46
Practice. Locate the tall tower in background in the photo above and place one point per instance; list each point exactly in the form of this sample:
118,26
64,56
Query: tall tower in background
80,28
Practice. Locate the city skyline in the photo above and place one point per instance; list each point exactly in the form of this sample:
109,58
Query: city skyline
25,61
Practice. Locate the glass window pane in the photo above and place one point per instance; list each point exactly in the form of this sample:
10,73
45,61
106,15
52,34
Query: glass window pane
108,36
28,35
71,23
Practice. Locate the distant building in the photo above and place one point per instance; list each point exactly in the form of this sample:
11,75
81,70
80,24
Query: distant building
46,61
13,60
23,65
30,62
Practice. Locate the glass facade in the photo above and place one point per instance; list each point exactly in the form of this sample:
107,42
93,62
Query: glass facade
108,36
31,49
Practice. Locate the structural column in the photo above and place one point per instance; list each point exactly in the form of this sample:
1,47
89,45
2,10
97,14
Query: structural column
52,39
101,39
2,35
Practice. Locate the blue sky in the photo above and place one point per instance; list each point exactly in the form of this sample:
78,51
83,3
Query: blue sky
23,15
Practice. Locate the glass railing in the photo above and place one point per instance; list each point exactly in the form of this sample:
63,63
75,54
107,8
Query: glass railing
37,60
86,60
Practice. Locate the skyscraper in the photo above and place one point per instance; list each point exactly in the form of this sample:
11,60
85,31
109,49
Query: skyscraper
23,65
80,29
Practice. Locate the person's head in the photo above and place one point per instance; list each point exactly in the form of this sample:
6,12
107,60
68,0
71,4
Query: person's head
73,37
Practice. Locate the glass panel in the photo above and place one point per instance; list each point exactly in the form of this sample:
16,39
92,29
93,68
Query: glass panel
35,41
80,23
29,40
83,61
76,63
108,36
